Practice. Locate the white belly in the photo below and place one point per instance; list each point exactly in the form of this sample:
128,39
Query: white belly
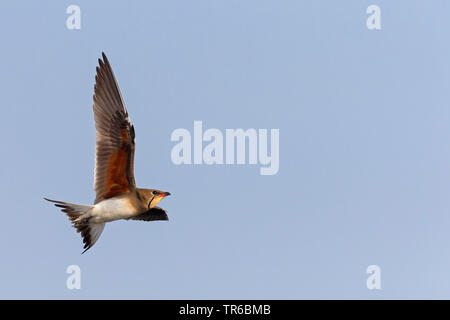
112,209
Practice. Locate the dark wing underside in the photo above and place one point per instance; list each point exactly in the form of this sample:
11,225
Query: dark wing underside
115,143
155,213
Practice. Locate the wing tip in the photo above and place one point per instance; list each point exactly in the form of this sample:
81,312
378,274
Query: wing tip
54,201
105,59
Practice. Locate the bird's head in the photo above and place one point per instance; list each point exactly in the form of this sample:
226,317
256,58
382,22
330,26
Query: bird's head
152,196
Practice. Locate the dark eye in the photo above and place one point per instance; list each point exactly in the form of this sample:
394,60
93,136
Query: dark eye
155,193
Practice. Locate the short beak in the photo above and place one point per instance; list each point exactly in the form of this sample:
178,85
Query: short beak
165,194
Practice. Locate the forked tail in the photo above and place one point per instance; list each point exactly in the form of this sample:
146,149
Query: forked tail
79,216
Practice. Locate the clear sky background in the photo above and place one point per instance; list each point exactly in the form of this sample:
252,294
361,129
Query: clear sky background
364,119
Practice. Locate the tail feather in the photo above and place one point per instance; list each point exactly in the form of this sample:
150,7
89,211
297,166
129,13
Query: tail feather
79,216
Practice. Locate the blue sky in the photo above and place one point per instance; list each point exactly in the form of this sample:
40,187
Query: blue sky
364,171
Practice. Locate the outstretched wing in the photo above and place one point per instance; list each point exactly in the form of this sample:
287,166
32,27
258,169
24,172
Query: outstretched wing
115,143
155,213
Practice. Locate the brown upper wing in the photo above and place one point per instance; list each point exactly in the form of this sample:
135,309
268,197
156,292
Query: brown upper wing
115,144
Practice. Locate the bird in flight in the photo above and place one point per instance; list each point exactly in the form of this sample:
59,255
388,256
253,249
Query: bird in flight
116,194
